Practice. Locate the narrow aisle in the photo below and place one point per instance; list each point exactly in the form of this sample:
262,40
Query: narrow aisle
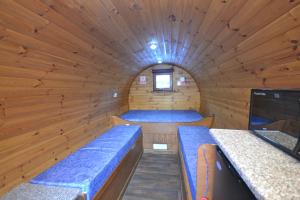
157,177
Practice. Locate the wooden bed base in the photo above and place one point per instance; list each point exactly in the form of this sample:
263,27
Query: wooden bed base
115,186
203,163
162,133
210,150
186,192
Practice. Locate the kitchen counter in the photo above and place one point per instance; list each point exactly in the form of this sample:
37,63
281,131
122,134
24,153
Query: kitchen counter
28,191
268,172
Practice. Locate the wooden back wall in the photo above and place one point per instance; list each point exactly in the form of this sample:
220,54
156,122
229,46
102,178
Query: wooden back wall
184,97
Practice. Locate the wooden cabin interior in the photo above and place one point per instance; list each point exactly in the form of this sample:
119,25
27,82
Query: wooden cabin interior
149,99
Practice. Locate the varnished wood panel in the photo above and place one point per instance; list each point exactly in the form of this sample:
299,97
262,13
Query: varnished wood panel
115,186
230,106
259,48
61,60
225,44
56,88
184,97
206,164
163,133
187,195
202,162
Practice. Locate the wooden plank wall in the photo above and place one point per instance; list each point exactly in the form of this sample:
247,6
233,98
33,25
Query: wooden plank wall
184,97
230,106
61,60
258,49
56,88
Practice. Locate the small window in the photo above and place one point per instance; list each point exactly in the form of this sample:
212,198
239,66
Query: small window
162,80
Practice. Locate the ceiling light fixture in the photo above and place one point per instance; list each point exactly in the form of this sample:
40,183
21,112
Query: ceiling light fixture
153,46
159,61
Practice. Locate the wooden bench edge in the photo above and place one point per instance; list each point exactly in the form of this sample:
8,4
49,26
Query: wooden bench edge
206,160
119,121
207,121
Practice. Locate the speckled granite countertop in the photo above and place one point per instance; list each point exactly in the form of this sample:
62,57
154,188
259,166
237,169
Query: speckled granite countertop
27,191
268,172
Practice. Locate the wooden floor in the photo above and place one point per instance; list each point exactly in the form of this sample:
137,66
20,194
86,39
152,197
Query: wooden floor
157,177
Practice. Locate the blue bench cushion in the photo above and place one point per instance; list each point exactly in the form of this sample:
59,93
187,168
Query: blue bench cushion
89,167
190,138
255,121
167,116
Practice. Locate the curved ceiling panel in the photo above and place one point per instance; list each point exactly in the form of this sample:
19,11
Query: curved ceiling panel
66,65
213,39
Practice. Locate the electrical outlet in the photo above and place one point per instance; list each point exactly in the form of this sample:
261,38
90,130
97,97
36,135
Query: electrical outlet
115,94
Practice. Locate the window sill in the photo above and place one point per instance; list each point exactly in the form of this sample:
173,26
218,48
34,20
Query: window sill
164,91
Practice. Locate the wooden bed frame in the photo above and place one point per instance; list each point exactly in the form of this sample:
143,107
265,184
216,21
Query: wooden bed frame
186,192
210,151
115,186
201,173
162,133
154,132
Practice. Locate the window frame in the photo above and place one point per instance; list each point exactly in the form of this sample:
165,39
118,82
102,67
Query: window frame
156,72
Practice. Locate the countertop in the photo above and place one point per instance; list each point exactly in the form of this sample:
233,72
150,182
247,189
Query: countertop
28,191
268,172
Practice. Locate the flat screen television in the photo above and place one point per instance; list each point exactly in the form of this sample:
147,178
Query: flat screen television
275,117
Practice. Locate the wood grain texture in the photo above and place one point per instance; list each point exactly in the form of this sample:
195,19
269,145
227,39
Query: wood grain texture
257,49
61,60
206,162
230,106
163,133
56,87
187,194
202,169
156,177
115,186
184,97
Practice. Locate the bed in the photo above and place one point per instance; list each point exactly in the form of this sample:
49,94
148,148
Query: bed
160,126
162,116
257,121
90,167
190,139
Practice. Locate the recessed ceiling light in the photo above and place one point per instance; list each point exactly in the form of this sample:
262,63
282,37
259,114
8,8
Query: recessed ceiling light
153,46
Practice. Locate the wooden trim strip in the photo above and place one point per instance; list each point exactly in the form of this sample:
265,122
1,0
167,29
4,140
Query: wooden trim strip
207,121
206,160
187,195
115,186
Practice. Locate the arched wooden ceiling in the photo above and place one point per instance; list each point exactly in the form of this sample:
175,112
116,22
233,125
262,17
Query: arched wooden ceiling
210,38
62,60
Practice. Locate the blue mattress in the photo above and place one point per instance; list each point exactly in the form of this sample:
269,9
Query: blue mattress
89,167
190,138
255,121
169,116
